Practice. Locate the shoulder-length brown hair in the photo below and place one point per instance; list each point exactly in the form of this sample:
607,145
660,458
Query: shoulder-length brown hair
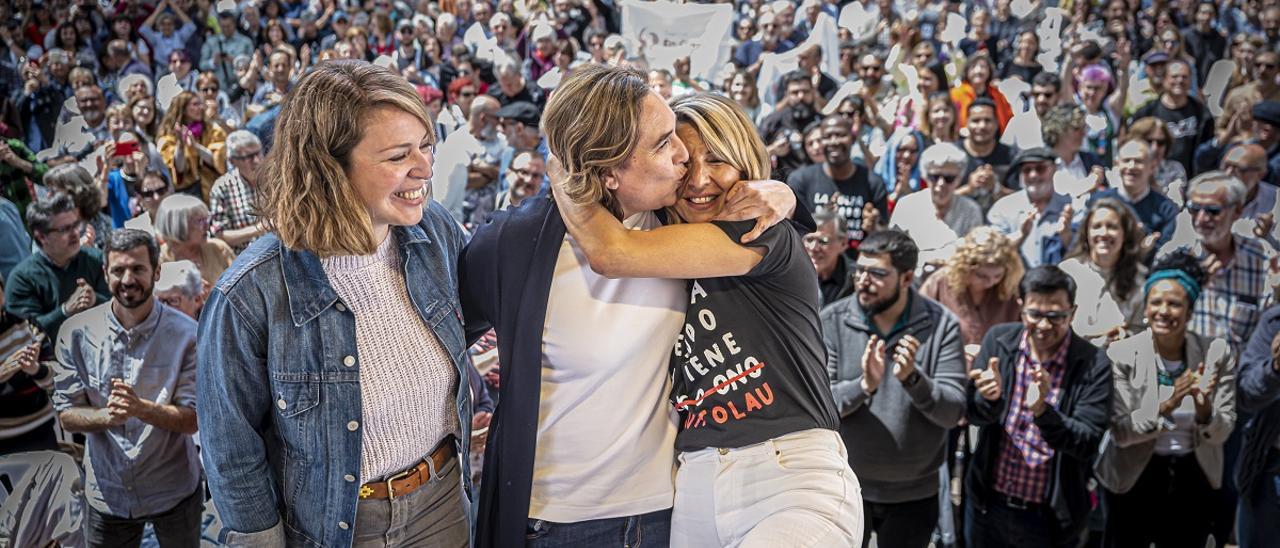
592,124
307,197
1124,277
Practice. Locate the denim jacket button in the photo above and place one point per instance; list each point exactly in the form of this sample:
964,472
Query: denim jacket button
353,425
350,478
343,525
349,361
281,404
340,307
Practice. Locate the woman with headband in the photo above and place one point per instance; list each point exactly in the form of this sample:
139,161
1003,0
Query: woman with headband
1173,408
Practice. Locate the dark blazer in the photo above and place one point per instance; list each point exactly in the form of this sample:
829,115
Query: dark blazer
1073,428
506,273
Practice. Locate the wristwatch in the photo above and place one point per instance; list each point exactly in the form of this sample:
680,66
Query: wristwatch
911,379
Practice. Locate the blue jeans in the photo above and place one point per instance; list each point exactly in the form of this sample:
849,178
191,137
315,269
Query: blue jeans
1259,513
1000,526
642,531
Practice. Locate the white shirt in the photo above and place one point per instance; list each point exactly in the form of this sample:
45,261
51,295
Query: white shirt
606,432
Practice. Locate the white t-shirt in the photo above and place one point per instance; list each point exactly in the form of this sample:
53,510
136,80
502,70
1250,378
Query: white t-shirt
606,432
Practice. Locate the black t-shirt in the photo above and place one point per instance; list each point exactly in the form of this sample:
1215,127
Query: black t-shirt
749,365
789,122
1000,158
1189,126
815,188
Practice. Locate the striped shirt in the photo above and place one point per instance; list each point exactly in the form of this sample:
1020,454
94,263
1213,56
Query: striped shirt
1022,470
1229,305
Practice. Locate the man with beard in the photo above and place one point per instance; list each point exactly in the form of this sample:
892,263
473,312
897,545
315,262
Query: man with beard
1189,122
1024,130
1041,399
125,377
1229,304
78,137
1036,217
896,365
825,248
1266,65
858,195
468,160
783,131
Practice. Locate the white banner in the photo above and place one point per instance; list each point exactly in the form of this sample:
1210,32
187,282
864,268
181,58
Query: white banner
665,31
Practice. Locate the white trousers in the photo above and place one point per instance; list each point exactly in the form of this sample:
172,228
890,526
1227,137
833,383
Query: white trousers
794,490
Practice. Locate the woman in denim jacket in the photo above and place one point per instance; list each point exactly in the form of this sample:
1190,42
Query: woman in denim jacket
331,352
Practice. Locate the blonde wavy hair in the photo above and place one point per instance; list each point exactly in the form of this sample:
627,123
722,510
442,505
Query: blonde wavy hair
726,131
307,197
985,246
592,125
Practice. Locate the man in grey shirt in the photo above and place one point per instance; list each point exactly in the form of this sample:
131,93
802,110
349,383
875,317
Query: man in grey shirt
897,372
125,377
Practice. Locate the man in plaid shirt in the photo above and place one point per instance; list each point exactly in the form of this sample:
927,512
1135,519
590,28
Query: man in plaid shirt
1041,397
1237,265
231,202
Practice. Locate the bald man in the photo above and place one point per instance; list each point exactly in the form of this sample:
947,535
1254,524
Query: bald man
1248,162
468,160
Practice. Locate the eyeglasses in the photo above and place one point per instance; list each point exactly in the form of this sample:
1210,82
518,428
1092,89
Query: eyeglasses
208,90
527,173
153,193
1237,168
875,273
247,156
1054,316
71,228
817,239
1263,65
942,178
1212,211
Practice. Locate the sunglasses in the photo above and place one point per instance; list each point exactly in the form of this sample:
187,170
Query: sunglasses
1054,316
942,178
1213,211
153,193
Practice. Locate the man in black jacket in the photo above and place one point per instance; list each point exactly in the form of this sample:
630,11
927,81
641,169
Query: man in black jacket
1041,397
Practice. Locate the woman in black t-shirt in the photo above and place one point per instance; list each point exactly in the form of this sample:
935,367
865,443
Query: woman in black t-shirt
761,462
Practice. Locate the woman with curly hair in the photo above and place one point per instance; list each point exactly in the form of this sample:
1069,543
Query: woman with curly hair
979,283
1106,263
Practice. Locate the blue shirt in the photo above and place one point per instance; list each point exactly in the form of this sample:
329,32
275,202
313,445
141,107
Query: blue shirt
118,199
135,469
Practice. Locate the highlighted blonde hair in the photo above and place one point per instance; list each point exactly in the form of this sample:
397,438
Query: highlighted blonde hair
307,196
592,125
984,246
726,131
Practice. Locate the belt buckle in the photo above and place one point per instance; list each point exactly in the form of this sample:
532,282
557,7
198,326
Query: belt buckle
391,492
1015,503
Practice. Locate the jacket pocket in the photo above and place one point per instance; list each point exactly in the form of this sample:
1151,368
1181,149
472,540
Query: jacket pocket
296,396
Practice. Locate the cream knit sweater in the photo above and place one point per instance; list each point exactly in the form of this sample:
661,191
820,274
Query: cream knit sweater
407,379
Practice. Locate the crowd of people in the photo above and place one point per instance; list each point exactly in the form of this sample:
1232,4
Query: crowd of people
1040,271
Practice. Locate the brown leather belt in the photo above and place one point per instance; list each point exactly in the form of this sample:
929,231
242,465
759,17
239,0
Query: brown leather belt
406,482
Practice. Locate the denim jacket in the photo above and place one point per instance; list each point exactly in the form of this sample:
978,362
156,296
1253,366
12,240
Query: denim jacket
279,391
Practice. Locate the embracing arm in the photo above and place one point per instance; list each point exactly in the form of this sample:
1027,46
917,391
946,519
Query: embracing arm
677,251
